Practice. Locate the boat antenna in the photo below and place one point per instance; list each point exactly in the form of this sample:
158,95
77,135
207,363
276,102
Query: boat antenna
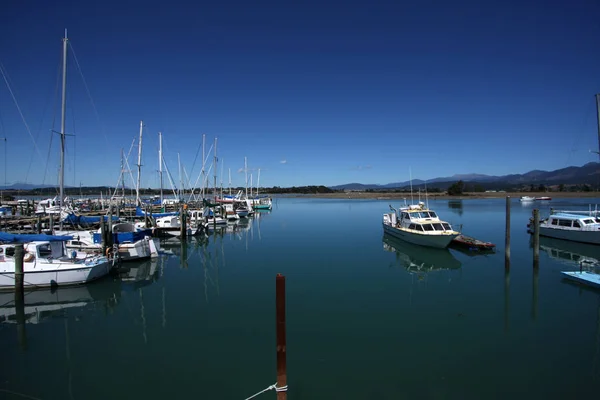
426,198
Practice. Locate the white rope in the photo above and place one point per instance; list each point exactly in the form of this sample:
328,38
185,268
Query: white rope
273,386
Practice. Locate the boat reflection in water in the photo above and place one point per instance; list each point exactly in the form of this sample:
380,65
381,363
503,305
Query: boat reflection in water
582,259
573,254
141,273
456,206
41,304
419,259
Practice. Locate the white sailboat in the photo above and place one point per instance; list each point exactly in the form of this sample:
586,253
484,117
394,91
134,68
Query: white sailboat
46,263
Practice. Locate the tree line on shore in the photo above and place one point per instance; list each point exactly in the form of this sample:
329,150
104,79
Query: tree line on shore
453,189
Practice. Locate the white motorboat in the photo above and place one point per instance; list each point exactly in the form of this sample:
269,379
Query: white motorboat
418,224
571,226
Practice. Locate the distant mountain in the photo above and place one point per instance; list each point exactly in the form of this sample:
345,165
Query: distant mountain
29,186
586,174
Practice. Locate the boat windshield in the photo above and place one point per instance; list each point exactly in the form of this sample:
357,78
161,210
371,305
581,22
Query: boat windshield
447,226
588,221
438,227
424,214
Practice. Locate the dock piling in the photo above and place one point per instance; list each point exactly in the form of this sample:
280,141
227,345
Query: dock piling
103,235
507,238
19,254
536,238
281,345
182,219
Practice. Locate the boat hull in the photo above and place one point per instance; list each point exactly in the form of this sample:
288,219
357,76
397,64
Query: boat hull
584,277
592,237
60,275
140,250
437,241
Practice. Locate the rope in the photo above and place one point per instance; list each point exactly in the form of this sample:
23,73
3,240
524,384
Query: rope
273,386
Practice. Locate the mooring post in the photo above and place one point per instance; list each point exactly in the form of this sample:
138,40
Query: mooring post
507,238
103,235
39,224
281,346
51,216
19,295
536,238
109,234
182,219
19,254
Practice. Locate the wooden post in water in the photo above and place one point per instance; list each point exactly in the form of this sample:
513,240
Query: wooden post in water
51,216
536,238
182,219
507,238
281,346
103,235
39,224
109,234
19,295
19,254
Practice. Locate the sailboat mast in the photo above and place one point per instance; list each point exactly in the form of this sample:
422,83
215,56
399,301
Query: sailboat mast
139,165
246,174
230,181
180,191
63,112
160,170
258,182
122,174
203,165
215,176
222,165
598,115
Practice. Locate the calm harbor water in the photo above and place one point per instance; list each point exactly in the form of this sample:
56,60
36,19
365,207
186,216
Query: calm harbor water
368,317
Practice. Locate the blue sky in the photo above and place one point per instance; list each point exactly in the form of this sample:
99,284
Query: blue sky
312,92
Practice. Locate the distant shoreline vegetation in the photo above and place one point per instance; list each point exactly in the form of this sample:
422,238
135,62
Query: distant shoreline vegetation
451,189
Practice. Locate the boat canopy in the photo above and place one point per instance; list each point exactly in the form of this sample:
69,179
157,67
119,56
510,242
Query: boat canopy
26,238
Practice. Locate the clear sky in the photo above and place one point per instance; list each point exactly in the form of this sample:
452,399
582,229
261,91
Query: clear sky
312,92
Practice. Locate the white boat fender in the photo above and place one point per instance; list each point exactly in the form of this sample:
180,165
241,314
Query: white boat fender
28,257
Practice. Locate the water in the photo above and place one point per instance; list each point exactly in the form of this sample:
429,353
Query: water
367,318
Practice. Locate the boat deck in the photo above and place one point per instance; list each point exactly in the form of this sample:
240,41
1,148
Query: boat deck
587,278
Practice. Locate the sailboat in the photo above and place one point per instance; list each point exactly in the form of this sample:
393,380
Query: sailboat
46,262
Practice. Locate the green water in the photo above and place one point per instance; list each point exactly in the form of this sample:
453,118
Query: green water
367,317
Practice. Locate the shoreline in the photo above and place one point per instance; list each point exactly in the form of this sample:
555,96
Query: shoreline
439,196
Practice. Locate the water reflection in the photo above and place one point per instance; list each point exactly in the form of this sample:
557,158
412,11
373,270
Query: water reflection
41,304
419,259
570,253
456,206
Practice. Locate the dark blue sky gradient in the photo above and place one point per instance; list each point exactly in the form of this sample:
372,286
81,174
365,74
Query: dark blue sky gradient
356,91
